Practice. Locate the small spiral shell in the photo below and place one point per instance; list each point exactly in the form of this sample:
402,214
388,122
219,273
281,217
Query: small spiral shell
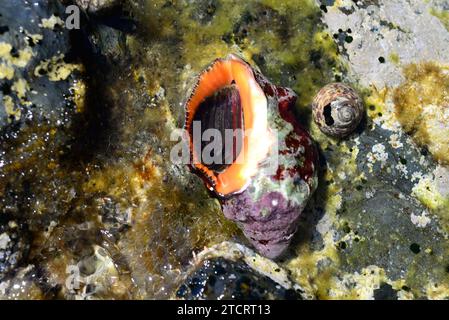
337,109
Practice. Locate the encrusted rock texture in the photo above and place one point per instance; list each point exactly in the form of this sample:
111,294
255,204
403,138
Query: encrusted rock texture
92,208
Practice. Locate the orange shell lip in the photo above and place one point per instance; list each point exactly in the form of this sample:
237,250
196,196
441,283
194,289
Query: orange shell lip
256,141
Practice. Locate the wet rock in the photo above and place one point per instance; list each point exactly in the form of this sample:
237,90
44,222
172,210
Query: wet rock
390,157
108,42
96,276
37,109
23,286
224,279
385,292
101,40
378,220
379,208
35,78
230,270
14,245
96,5
114,217
388,237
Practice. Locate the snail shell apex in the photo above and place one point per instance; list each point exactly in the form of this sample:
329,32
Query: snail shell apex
337,109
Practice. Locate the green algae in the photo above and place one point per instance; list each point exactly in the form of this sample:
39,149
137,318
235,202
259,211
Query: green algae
442,15
394,57
427,192
420,104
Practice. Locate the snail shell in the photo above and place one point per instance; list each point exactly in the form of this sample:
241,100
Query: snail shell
337,109
266,191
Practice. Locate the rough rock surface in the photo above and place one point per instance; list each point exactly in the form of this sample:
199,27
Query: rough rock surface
396,32
232,271
221,279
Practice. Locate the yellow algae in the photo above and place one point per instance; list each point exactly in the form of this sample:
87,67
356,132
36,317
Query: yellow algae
442,15
304,270
206,223
342,3
322,39
6,71
204,43
358,285
403,292
20,87
299,49
304,266
394,57
5,49
10,109
50,23
422,107
346,163
7,65
375,101
428,193
55,68
23,58
249,29
35,38
79,93
436,291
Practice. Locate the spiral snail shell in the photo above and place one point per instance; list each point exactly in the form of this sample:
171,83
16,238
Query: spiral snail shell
337,109
269,174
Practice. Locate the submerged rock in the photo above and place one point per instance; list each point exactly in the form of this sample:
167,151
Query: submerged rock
232,271
222,279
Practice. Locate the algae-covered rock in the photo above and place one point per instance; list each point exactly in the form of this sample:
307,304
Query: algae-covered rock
35,68
95,209
379,220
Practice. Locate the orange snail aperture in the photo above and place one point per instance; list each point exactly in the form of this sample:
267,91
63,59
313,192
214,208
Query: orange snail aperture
264,191
230,78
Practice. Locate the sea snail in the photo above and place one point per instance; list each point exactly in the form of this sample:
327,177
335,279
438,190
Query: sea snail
266,172
337,110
